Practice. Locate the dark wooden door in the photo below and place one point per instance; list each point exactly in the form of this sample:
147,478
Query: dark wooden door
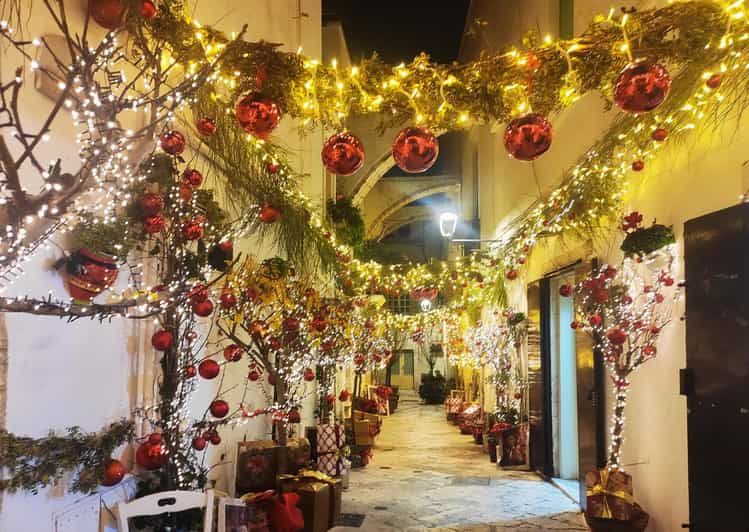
539,396
716,380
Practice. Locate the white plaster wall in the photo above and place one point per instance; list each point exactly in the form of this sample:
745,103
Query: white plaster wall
83,374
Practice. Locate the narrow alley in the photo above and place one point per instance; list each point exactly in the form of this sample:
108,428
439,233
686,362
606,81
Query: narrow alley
426,475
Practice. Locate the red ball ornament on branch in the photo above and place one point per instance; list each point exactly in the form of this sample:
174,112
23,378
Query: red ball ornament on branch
228,300
114,472
343,154
268,214
253,375
714,81
199,443
151,456
641,87
148,10
206,126
233,353
172,142
219,408
192,230
309,375
528,137
185,192
616,336
291,324
257,115
107,13
151,204
192,177
209,369
659,134
511,275
154,224
638,165
203,309
415,150
344,396
162,340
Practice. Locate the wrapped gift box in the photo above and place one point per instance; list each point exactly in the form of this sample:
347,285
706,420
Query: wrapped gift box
330,442
336,492
314,499
512,447
609,495
257,466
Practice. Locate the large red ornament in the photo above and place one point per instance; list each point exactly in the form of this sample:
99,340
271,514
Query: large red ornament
206,126
94,274
415,150
209,369
253,375
268,214
641,87
219,408
203,309
616,336
107,13
114,472
192,177
528,137
228,300
309,375
192,230
154,224
198,443
343,154
148,10
257,115
151,456
162,340
198,293
172,142
152,203
233,353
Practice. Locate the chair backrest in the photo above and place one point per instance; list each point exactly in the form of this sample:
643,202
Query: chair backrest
223,502
167,501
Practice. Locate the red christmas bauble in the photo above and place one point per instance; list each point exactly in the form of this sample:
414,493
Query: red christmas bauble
309,374
219,408
616,336
319,324
257,115
154,224
600,295
415,150
714,81
575,324
511,275
273,168
192,230
253,375
659,134
233,353
268,214
192,177
649,350
274,343
565,290
162,340
228,300
290,324
528,137
206,126
343,154
209,369
595,320
173,142
203,309
190,371
114,472
215,438
147,10
641,87
151,456
107,13
638,165
257,329
198,293
199,443
295,417
152,203
272,380
185,192
227,246
344,396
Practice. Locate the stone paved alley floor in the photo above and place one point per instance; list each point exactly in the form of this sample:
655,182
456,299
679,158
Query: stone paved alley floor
426,476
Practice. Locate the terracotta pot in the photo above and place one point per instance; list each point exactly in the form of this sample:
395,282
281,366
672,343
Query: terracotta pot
638,523
89,274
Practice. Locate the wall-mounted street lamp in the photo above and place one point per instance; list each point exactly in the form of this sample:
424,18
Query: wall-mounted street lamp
448,223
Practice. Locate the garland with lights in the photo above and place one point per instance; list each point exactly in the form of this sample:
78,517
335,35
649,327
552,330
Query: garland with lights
625,310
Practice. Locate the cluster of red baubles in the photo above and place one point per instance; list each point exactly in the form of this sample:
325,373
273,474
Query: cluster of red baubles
110,14
151,454
200,442
200,302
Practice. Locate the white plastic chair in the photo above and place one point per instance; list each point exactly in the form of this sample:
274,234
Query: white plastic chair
166,501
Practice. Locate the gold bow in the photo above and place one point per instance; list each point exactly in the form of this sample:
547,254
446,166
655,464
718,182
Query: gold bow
599,489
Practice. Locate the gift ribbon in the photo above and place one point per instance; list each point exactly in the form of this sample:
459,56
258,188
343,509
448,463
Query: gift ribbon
598,489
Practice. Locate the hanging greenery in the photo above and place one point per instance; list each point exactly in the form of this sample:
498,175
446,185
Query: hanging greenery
348,221
31,464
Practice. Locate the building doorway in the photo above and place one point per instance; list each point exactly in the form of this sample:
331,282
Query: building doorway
402,370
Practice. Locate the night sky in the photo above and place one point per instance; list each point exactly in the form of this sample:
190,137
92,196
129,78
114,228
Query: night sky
399,29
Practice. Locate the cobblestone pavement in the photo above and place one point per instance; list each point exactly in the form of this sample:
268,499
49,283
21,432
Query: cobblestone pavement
426,476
